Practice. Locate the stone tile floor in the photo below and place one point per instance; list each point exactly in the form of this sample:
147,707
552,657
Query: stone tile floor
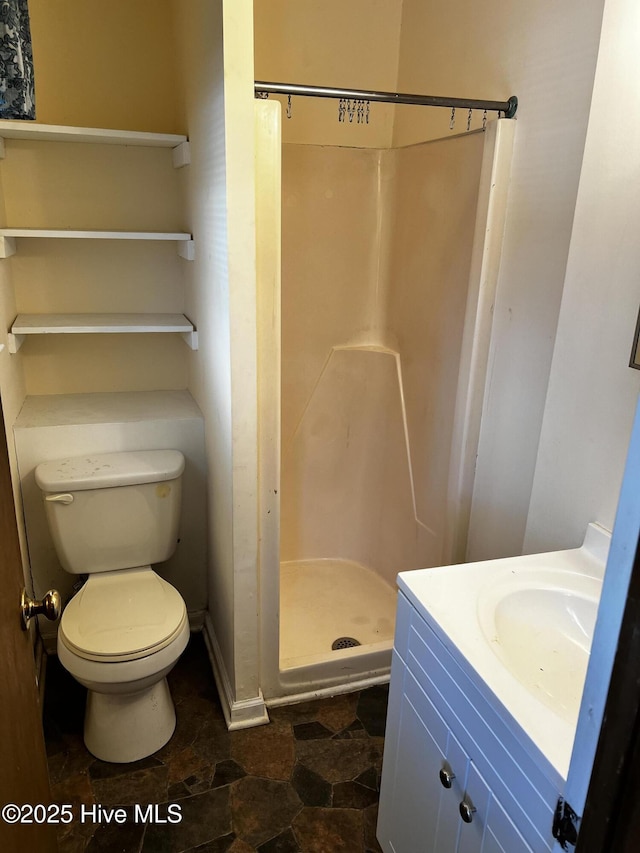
305,783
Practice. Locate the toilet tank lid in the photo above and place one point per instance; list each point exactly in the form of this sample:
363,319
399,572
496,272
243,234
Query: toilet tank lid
106,470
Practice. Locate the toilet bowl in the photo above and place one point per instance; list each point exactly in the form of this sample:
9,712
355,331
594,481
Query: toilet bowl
119,637
125,629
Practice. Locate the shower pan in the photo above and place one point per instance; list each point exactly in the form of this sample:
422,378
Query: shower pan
376,272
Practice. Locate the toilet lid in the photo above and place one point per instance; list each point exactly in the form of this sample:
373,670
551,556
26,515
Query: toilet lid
123,615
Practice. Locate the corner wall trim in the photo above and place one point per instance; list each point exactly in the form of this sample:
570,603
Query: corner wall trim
238,714
7,247
187,250
181,155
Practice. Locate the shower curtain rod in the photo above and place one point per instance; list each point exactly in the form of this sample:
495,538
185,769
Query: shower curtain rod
507,107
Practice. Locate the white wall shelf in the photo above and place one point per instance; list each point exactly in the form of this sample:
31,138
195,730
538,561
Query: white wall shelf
8,237
78,324
101,136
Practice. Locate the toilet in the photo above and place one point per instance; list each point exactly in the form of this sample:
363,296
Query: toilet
112,516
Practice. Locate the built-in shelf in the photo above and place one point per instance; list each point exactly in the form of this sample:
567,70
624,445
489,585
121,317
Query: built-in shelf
82,324
43,324
8,237
99,135
181,154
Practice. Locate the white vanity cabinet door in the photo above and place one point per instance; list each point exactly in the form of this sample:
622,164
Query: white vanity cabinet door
417,813
490,830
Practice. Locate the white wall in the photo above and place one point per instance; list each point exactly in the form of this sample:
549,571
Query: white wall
545,54
215,40
592,392
12,384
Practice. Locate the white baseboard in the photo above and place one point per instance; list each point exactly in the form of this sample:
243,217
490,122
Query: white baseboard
239,714
196,620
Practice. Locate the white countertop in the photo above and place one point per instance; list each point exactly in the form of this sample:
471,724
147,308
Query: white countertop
447,598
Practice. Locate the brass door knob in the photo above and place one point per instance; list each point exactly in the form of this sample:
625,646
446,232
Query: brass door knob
50,606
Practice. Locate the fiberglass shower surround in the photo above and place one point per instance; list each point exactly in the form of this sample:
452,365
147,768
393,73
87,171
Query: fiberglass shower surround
381,334
374,286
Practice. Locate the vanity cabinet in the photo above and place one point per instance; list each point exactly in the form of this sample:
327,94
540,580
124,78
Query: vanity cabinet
454,779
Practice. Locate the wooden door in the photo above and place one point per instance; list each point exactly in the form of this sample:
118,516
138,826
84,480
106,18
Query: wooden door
23,765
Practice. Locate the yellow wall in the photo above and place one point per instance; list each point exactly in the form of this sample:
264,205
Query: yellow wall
12,384
105,64
353,45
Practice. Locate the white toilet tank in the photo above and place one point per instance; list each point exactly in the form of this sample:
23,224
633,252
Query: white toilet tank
113,510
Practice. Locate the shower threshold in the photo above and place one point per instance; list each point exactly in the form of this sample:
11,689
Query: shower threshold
325,600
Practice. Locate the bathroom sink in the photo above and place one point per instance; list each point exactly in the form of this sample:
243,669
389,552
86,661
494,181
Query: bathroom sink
540,626
521,628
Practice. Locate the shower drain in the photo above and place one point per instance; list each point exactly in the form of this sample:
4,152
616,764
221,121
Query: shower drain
344,643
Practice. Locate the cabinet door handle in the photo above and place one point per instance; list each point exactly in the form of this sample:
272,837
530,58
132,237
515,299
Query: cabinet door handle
446,777
467,810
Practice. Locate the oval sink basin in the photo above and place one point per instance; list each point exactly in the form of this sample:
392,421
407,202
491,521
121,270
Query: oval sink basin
540,625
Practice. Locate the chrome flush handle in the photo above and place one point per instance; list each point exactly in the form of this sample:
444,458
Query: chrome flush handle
60,499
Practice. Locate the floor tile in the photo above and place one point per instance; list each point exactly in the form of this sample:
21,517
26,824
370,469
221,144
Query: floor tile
353,795
305,783
110,838
267,751
262,808
337,760
311,731
334,830
142,786
372,709
286,842
205,817
312,789
227,772
220,845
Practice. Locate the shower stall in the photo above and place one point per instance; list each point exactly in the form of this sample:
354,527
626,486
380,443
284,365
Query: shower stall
376,273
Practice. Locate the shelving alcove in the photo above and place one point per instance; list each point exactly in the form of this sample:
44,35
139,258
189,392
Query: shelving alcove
40,324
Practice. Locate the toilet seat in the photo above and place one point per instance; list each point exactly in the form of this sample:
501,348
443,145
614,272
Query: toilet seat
122,616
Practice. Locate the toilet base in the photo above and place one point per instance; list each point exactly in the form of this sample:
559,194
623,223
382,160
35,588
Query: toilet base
124,727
